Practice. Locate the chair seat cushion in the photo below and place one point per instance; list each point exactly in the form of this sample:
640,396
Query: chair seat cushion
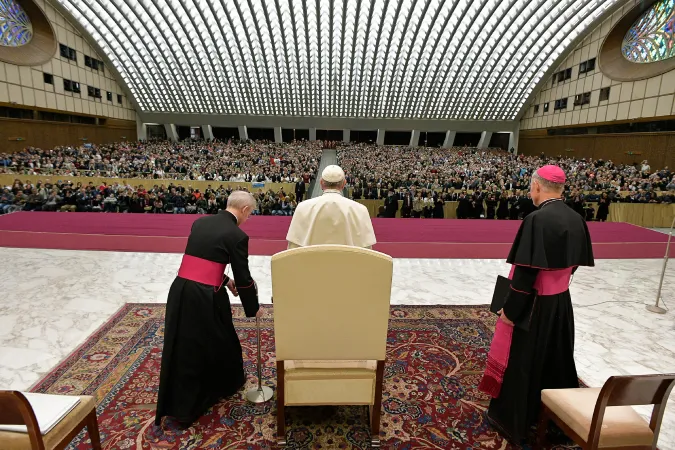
20,441
621,426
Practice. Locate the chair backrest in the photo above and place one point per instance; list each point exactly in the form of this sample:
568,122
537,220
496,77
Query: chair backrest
637,389
16,410
331,302
631,390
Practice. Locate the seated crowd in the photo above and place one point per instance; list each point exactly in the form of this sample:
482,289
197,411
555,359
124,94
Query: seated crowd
376,169
124,198
199,160
492,183
488,183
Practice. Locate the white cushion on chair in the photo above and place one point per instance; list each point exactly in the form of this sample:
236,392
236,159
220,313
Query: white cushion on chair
621,426
10,440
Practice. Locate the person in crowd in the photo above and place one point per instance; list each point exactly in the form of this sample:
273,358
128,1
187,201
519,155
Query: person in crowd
463,206
407,205
69,201
300,189
178,202
158,205
527,205
439,204
603,207
202,357
491,203
418,206
331,218
503,208
390,205
53,201
6,200
96,203
551,244
110,203
514,205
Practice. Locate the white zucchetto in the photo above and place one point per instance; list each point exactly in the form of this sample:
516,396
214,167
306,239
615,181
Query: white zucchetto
333,174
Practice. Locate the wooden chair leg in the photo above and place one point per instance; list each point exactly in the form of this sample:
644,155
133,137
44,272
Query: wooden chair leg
281,425
92,428
542,428
376,409
281,413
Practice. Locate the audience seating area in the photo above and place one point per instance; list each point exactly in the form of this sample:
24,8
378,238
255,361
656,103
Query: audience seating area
371,167
188,160
197,177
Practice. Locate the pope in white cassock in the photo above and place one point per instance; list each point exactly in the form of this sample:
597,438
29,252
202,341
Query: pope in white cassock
331,218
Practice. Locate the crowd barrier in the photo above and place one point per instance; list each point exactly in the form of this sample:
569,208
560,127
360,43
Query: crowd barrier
8,180
650,215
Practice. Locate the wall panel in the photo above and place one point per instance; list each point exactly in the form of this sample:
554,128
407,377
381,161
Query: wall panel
46,135
657,148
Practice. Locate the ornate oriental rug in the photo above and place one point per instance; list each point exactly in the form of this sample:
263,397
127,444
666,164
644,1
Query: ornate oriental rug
435,359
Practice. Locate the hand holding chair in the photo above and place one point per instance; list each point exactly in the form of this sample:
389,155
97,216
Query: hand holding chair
330,328
603,418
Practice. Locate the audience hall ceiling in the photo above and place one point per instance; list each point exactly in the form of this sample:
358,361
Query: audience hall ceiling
469,60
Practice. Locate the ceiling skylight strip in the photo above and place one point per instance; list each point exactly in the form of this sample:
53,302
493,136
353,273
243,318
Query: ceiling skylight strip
430,59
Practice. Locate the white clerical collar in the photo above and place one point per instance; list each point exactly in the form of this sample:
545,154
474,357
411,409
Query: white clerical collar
332,191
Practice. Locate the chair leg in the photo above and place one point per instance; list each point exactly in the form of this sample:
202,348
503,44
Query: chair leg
281,413
374,419
376,409
281,425
542,428
92,428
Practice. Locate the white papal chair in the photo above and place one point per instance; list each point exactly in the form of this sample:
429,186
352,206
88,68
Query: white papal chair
330,328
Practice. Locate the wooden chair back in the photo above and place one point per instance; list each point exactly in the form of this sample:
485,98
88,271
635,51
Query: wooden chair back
16,410
631,390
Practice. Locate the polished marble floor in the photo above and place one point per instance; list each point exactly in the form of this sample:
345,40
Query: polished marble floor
51,300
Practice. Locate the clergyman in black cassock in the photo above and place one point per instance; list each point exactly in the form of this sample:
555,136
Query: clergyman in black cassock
202,357
551,244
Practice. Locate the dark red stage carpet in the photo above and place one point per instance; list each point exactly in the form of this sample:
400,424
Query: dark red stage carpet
400,238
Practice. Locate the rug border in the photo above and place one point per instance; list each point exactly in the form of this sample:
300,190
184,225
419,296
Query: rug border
76,353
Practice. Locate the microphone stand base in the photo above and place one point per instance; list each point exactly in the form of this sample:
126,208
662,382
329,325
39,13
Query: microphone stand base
260,395
656,309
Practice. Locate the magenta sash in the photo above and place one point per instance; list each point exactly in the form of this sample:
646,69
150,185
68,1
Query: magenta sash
202,271
498,359
548,282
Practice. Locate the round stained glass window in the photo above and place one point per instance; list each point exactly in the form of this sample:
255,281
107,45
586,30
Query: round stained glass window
15,26
650,38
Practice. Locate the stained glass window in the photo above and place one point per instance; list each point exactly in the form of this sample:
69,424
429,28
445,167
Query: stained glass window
651,38
15,27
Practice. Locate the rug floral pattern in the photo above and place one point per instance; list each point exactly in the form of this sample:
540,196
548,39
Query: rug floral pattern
435,359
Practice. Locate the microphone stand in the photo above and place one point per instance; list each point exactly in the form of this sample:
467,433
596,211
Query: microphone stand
261,394
656,308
